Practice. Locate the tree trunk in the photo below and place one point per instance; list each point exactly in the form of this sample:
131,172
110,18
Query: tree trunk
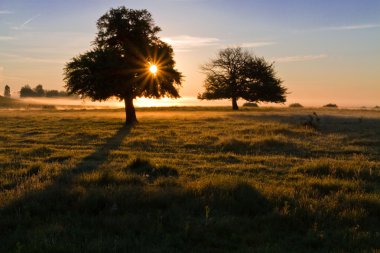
130,113
234,104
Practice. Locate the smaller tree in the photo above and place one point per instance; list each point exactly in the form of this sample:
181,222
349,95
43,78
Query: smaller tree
236,73
7,91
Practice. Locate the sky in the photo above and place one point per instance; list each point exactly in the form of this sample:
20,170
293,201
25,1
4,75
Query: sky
326,51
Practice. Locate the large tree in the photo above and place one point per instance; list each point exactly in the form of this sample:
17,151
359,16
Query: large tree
236,73
128,61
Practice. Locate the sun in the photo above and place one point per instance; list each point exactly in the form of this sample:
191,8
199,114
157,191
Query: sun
153,69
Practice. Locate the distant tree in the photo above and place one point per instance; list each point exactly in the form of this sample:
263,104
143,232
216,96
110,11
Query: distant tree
7,91
52,93
39,91
63,94
236,73
26,91
125,48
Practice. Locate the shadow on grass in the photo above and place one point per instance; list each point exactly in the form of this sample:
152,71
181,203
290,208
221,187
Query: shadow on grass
135,215
355,131
127,212
47,202
218,216
89,163
100,156
327,123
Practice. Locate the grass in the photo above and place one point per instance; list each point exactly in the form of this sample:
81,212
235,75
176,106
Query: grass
190,180
6,102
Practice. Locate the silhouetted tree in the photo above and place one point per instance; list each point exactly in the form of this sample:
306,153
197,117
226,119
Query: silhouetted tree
26,91
125,47
39,91
52,93
236,73
7,91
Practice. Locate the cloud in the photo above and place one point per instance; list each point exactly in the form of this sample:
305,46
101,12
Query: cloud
300,58
341,28
24,59
185,43
5,12
258,44
23,25
5,38
351,27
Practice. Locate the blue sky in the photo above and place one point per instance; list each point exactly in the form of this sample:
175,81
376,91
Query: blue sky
325,51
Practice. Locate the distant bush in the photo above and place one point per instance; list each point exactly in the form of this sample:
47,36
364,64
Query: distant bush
331,106
295,105
250,104
376,107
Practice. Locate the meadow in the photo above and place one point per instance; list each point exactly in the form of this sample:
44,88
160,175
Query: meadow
190,180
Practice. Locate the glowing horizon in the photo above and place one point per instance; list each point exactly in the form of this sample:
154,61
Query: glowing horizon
186,101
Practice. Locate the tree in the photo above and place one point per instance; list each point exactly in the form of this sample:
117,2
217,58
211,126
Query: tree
52,93
39,91
125,48
7,91
26,91
236,73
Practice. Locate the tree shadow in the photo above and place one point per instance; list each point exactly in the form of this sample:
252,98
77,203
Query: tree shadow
89,163
100,156
63,181
71,216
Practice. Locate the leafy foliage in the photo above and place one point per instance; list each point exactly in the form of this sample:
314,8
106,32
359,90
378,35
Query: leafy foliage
236,73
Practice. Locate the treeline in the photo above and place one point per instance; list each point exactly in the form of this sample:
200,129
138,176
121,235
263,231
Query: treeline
38,91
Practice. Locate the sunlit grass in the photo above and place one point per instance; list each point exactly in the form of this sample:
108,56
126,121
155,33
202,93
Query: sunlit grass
198,180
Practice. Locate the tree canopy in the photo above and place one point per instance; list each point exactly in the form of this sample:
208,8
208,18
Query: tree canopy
125,47
236,73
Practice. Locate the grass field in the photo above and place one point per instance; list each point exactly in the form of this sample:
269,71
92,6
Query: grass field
190,180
